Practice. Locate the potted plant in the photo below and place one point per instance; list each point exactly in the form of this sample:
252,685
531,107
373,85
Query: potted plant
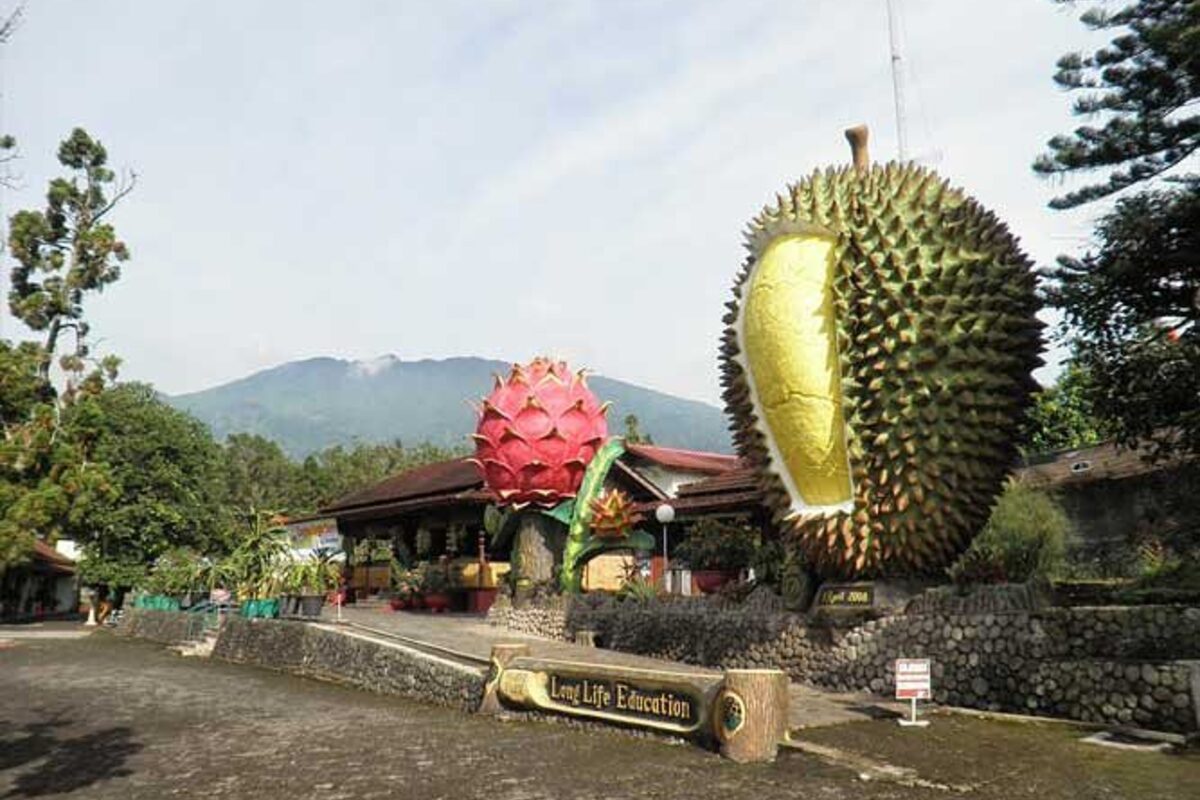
321,576
716,552
435,589
291,582
267,593
404,587
259,563
415,583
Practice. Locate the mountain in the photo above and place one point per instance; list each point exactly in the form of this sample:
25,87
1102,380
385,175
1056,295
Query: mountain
318,402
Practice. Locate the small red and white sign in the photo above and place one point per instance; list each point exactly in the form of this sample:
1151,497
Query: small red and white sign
913,679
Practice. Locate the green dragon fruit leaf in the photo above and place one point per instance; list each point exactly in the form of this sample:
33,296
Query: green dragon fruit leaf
579,532
563,512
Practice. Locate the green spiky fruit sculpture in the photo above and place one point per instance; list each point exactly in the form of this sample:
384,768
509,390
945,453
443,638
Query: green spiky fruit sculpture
877,364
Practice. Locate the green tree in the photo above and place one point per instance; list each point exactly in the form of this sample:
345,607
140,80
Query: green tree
1063,416
67,250
1143,87
259,475
47,473
1133,311
21,385
338,471
63,253
1132,304
633,431
167,477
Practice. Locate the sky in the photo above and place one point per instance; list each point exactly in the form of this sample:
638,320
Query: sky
500,179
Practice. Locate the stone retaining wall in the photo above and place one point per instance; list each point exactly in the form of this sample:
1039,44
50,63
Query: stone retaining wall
167,627
351,658
1122,665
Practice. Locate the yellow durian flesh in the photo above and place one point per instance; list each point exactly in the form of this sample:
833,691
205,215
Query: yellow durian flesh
789,336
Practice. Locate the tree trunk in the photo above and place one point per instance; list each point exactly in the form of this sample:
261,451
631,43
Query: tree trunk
751,714
538,547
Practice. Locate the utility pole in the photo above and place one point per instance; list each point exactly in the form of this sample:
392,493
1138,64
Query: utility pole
897,78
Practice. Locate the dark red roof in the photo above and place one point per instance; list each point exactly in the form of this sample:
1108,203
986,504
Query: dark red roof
745,502
733,490
51,559
443,477
390,508
694,460
741,479
458,481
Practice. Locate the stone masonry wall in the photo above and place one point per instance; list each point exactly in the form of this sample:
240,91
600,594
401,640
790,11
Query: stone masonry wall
1136,666
167,627
337,656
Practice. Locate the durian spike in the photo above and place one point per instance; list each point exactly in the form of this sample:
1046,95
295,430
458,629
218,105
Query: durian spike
857,137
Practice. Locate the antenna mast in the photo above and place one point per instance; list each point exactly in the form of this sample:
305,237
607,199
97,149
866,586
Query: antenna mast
897,78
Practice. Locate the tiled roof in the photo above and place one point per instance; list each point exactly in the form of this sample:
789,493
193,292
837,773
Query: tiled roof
748,501
449,482
51,558
1102,462
695,460
432,479
390,508
734,490
735,480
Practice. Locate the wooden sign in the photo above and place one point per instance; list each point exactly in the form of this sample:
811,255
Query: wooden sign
846,595
913,679
624,698
674,702
745,711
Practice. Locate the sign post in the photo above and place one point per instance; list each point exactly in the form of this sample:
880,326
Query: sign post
913,682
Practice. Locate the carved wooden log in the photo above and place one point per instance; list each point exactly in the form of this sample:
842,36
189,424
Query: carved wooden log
502,655
750,717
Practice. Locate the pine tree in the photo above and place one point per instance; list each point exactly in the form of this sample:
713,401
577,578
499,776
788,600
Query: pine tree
1143,87
1132,304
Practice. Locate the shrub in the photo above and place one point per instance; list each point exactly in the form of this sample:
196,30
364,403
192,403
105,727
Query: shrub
1160,566
639,589
1024,539
715,545
769,562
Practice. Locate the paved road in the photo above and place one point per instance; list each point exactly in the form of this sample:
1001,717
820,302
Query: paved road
105,718
43,630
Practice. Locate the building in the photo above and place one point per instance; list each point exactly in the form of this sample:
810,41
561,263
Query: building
1116,499
437,510
42,587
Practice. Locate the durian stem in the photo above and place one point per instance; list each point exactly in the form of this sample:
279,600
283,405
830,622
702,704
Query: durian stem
857,137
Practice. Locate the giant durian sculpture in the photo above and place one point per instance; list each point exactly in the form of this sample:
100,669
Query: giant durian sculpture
877,363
